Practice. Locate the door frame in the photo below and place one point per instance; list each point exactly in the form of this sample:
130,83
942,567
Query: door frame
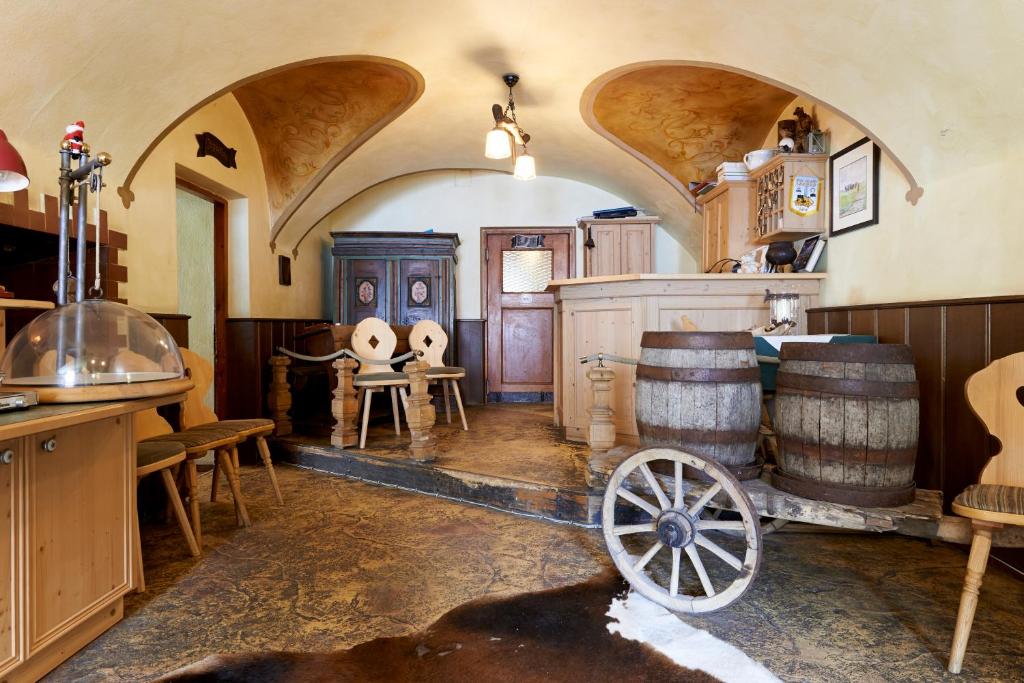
220,289
486,232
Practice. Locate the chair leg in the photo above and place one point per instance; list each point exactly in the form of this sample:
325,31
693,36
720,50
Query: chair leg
192,482
405,398
458,402
976,563
236,473
215,482
367,400
236,486
140,577
179,512
394,411
261,446
447,401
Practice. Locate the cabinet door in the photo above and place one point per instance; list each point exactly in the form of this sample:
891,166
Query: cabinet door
364,287
605,257
636,248
419,292
10,540
78,511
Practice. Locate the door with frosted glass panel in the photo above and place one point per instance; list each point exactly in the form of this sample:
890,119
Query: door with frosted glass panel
518,263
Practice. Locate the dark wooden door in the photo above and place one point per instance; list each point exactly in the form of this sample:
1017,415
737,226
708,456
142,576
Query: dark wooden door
366,285
517,265
418,295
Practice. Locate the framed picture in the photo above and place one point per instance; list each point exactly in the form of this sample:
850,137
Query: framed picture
854,176
419,291
366,291
284,270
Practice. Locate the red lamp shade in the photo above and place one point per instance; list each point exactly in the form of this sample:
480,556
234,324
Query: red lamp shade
13,175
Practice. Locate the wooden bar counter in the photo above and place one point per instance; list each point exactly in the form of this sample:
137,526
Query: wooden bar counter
67,493
609,315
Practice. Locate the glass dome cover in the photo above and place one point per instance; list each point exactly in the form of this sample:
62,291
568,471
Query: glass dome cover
101,342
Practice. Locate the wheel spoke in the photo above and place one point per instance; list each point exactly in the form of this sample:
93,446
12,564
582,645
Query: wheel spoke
719,525
691,552
721,552
678,502
655,486
705,499
673,587
624,529
648,556
638,501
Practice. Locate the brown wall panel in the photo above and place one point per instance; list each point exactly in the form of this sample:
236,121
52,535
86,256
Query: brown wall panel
892,326
469,354
839,322
1006,331
966,353
926,339
863,322
817,323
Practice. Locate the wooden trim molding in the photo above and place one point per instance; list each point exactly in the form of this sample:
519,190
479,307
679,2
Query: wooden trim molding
590,95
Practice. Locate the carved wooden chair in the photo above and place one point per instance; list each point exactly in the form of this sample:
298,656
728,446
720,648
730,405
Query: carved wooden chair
375,340
196,415
996,395
162,457
429,338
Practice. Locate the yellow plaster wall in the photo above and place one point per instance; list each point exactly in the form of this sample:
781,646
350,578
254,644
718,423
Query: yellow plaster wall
152,257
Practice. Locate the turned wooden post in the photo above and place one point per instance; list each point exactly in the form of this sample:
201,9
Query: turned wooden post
279,400
602,427
344,406
419,412
981,544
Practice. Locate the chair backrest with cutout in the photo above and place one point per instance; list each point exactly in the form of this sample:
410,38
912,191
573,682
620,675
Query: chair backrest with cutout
193,410
374,339
148,423
429,338
996,395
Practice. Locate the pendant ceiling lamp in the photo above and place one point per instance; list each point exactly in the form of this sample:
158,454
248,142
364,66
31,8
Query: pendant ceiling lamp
13,176
505,139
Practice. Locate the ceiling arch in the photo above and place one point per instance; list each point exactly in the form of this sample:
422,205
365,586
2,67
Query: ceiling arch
684,118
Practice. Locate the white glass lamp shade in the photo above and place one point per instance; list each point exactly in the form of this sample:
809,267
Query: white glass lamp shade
91,343
526,167
498,144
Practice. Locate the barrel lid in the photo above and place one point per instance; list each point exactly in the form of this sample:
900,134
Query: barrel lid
847,353
697,340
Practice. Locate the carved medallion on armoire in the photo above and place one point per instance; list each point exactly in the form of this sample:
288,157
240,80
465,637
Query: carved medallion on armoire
399,277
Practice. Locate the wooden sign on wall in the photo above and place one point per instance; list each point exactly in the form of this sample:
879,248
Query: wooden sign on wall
211,146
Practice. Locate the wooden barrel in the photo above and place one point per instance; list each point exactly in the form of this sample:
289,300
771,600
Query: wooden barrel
847,420
701,392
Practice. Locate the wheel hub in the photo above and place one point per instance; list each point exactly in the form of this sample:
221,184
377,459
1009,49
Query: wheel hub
676,529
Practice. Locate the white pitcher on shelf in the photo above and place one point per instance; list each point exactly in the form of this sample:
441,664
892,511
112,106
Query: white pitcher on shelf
759,157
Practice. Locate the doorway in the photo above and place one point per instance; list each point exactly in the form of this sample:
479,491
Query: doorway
202,224
516,265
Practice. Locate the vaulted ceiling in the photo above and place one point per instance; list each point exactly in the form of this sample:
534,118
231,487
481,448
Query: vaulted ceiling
140,67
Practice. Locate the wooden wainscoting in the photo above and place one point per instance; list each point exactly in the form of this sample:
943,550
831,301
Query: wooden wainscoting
250,343
469,354
176,324
951,340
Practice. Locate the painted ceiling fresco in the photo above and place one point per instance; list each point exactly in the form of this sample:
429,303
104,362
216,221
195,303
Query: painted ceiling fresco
687,119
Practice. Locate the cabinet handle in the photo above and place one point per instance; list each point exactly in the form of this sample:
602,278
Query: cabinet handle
50,445
6,457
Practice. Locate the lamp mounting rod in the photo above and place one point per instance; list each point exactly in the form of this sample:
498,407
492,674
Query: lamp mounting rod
510,79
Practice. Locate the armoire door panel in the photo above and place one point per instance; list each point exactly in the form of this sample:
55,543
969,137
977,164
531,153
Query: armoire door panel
367,284
417,291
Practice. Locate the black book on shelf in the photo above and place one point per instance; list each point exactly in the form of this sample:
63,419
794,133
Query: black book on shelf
621,212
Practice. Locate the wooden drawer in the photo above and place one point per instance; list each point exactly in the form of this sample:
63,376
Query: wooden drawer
77,524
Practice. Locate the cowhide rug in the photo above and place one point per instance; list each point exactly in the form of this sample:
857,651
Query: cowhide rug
564,634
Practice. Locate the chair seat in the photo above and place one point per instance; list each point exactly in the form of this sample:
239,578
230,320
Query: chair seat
240,427
151,453
198,440
992,498
380,379
447,372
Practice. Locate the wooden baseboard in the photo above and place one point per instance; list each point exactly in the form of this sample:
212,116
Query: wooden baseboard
51,656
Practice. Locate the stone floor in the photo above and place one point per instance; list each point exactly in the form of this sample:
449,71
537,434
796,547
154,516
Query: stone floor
344,562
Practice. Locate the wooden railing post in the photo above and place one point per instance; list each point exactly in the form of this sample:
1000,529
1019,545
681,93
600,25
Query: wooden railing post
602,427
279,400
419,412
344,407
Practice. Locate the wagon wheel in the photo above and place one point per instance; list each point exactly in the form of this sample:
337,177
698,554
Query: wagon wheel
654,518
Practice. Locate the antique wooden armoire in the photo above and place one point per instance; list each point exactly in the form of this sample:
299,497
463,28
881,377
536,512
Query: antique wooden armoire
399,277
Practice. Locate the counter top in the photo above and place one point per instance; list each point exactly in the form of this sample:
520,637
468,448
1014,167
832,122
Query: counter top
633,277
16,423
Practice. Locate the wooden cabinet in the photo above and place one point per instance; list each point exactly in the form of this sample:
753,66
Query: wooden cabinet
10,553
399,277
727,222
621,245
773,218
